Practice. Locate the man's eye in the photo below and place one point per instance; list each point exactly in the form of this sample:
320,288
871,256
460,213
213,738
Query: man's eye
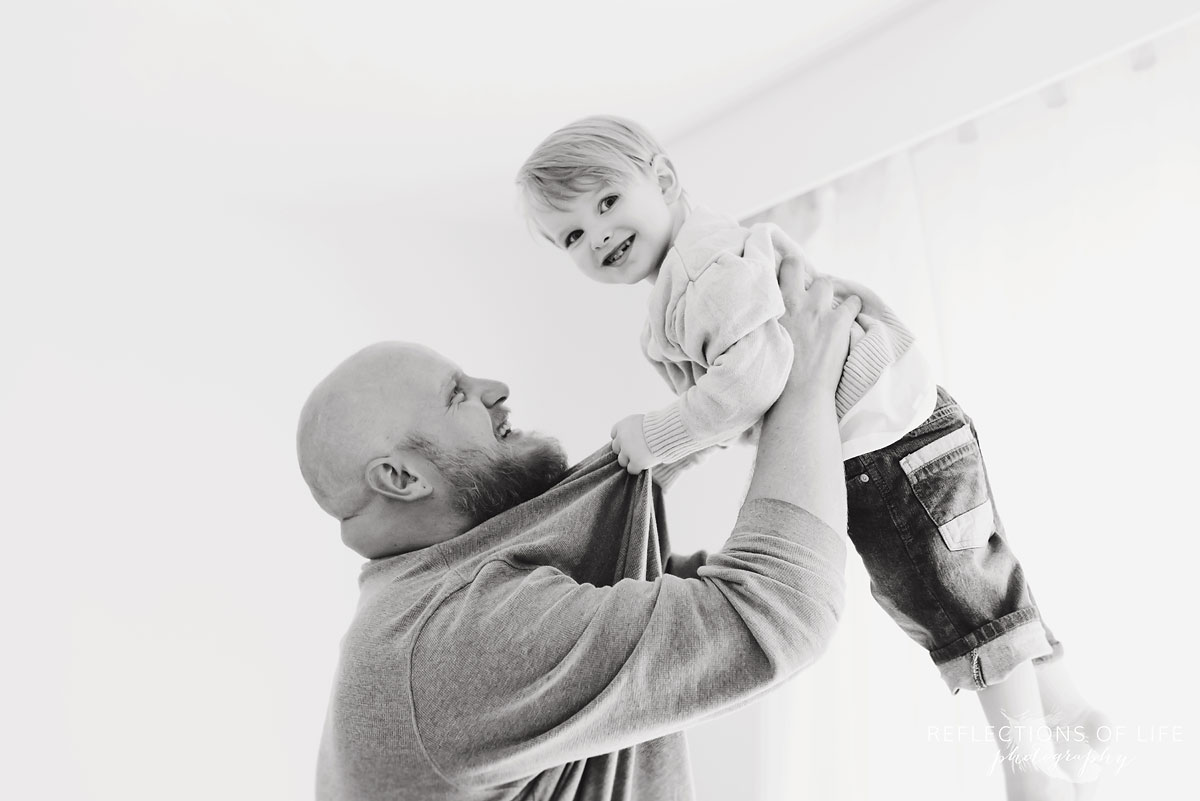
457,395
571,237
608,202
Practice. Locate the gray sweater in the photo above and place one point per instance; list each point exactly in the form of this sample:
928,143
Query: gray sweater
545,654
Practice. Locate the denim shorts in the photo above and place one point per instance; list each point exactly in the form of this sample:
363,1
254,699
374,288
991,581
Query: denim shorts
924,522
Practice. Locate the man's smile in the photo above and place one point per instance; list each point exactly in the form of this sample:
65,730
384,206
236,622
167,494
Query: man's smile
501,428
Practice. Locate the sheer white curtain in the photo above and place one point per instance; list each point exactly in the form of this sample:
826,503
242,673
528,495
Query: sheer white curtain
1046,254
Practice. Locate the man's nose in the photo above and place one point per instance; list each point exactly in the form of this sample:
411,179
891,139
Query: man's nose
492,392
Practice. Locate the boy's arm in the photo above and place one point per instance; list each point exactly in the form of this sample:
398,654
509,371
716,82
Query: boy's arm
665,475
727,322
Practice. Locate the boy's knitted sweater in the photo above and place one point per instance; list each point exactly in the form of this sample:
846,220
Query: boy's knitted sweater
546,654
713,332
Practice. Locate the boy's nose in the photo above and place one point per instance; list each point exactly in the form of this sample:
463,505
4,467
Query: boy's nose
599,240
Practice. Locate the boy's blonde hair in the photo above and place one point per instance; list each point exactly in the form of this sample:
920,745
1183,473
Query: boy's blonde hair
579,157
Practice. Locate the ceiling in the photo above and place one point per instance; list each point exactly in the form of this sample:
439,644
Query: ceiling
281,96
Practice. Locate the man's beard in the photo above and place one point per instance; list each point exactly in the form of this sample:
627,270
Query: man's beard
485,483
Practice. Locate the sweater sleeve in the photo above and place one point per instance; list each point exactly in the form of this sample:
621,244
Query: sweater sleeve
665,475
524,669
726,321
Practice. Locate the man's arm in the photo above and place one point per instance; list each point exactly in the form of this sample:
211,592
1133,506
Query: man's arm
525,668
799,458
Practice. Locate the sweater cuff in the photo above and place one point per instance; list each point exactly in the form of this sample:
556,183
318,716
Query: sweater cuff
666,436
664,474
769,515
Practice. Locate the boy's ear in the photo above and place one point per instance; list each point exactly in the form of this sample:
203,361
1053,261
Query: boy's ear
664,172
397,479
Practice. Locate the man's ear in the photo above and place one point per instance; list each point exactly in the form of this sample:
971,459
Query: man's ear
398,479
664,173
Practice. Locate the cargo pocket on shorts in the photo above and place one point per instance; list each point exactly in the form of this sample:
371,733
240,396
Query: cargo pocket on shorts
947,477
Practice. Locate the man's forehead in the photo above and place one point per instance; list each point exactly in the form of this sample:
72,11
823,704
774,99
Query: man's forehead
399,369
433,371
420,386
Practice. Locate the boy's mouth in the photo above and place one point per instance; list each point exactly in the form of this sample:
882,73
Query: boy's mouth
618,253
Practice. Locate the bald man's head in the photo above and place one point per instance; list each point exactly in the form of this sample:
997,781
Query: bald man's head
362,410
406,449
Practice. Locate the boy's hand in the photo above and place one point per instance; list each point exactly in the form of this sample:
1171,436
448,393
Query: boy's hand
629,444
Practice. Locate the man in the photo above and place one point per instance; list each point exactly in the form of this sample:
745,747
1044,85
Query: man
516,635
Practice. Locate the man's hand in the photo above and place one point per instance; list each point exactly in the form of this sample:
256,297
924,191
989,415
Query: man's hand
629,444
820,333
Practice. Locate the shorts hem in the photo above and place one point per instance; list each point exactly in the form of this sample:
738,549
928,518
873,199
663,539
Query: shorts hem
989,654
1053,656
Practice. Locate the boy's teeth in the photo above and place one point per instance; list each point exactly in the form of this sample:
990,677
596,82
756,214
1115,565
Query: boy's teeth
616,254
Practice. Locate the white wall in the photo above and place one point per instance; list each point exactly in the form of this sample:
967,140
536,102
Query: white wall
939,64
172,598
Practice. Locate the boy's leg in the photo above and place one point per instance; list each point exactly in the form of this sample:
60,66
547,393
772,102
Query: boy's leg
1025,743
1067,711
922,518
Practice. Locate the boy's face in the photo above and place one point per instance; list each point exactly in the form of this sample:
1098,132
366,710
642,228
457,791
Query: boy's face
617,233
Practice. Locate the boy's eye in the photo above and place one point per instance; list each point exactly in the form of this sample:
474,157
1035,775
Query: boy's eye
456,393
608,202
571,237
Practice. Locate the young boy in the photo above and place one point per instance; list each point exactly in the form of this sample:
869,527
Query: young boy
921,513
